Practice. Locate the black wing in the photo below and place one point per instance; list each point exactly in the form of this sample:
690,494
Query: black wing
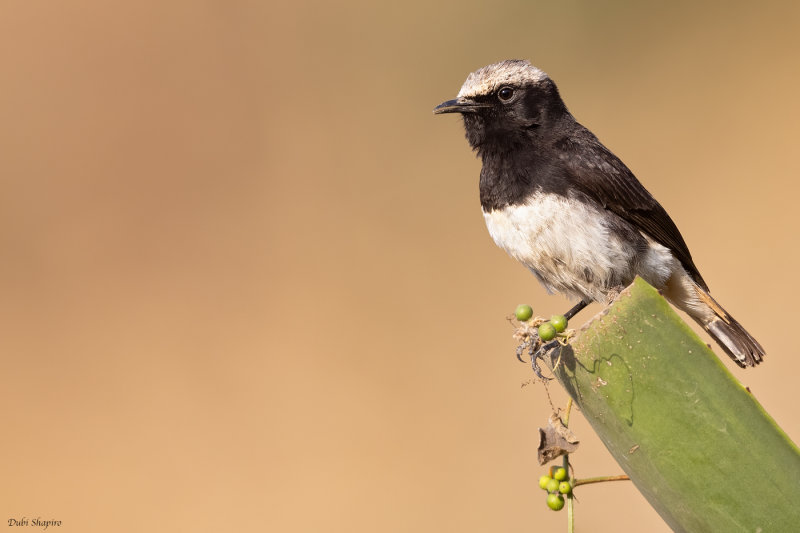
595,171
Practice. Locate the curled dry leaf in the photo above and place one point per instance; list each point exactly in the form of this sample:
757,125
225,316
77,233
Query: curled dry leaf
555,440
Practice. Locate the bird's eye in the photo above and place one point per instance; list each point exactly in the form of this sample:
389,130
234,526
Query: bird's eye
505,94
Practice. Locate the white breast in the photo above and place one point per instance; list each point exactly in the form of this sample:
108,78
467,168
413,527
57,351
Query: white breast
571,247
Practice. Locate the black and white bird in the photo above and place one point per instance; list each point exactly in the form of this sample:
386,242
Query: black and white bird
563,205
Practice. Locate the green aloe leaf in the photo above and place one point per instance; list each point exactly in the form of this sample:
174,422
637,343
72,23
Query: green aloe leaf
693,440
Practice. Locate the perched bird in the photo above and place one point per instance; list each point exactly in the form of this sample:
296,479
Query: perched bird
563,205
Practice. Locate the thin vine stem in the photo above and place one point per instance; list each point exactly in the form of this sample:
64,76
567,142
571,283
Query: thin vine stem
599,479
570,516
570,509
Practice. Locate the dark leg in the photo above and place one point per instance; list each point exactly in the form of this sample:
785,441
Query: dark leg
576,309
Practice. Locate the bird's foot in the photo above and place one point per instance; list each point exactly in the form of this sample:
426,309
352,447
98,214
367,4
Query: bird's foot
527,333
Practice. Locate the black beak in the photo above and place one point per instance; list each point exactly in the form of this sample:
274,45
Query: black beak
459,105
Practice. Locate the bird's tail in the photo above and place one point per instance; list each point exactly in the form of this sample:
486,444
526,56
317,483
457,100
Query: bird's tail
686,294
729,334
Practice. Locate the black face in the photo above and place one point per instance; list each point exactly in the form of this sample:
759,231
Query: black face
512,113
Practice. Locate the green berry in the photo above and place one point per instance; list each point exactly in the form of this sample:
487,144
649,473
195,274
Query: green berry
564,487
559,322
555,501
547,332
524,312
552,485
543,481
560,474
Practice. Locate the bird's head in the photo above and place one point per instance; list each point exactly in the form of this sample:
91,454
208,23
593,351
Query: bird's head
506,102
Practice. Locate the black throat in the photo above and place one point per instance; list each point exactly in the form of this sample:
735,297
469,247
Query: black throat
516,168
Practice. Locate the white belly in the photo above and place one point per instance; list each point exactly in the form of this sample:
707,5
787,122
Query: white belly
572,249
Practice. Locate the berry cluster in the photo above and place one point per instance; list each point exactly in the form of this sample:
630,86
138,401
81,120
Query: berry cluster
547,330
557,486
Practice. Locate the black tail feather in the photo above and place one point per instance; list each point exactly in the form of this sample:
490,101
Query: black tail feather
734,339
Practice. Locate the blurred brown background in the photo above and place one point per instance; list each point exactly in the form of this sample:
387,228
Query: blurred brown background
246,284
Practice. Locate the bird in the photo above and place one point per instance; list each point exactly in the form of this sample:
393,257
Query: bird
562,204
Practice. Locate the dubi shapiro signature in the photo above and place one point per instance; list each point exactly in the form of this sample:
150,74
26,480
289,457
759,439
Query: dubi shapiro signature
33,522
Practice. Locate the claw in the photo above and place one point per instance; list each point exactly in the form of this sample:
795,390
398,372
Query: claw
539,354
520,349
537,370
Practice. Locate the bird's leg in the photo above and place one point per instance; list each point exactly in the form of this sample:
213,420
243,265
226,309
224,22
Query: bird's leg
577,308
